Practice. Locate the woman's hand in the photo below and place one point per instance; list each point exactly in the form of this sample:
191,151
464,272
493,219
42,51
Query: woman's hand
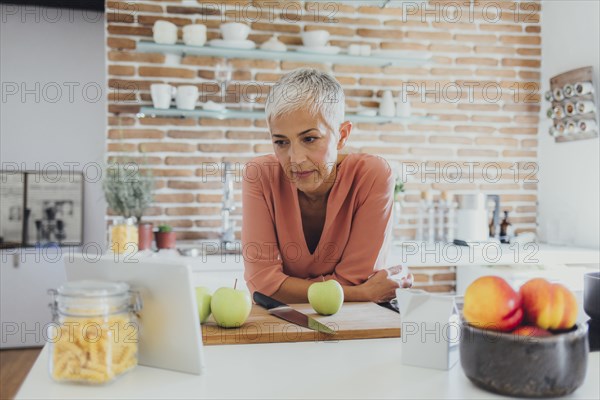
380,287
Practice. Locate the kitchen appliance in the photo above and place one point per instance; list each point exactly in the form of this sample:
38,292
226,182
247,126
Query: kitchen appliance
591,305
355,320
286,312
472,218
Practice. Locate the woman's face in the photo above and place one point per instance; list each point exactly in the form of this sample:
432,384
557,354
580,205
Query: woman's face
307,148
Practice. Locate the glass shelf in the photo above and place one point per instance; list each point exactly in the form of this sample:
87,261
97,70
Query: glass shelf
381,59
242,114
373,3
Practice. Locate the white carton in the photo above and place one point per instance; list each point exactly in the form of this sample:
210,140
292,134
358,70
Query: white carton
430,329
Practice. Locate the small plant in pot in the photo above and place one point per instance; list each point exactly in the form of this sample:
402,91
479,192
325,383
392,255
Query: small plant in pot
165,237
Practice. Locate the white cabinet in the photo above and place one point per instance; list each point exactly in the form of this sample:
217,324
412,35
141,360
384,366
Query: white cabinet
26,274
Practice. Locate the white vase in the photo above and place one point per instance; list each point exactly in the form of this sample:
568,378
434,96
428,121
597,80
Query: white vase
386,106
403,108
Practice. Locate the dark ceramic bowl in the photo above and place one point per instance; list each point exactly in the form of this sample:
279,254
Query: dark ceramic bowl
591,295
524,366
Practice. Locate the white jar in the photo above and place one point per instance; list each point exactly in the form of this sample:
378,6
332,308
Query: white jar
386,106
164,32
95,333
403,108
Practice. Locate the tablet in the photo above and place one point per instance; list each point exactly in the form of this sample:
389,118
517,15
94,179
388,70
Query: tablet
170,334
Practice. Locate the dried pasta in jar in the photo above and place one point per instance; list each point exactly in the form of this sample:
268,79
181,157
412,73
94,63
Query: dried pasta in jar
95,335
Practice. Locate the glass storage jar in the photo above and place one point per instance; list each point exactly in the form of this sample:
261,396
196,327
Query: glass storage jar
94,337
124,236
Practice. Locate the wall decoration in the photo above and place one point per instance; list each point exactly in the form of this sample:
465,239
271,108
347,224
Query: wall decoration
574,105
41,208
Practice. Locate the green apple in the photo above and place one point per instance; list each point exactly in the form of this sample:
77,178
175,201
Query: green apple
203,300
230,307
327,297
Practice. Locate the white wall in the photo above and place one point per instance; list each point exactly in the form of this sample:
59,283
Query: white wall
569,200
55,49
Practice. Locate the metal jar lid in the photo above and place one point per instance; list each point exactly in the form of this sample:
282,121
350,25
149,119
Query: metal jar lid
94,298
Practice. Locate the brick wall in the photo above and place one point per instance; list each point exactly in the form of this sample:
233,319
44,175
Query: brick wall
492,47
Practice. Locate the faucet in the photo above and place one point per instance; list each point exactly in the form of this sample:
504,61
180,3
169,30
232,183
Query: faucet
228,205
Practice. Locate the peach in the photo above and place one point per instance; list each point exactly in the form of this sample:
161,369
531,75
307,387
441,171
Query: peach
548,305
531,331
491,303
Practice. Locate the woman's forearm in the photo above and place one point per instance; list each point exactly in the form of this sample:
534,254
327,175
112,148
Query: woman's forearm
295,290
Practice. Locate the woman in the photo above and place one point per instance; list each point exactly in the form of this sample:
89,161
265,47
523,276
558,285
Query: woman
309,212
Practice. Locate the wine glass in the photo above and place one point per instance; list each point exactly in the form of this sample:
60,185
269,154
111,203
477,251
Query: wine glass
223,72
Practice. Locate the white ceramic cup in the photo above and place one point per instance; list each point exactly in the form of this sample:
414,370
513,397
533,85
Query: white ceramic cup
186,97
365,50
164,32
234,31
318,38
162,94
194,35
354,49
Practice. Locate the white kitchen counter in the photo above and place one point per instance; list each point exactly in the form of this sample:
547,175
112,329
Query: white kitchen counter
345,369
415,254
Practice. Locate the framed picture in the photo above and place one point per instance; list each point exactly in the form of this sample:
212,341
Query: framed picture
53,210
12,199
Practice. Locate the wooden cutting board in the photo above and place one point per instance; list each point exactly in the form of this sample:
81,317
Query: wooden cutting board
353,321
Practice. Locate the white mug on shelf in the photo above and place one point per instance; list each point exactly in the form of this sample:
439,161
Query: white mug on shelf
584,107
234,31
162,94
386,106
164,32
186,96
583,88
316,38
194,35
365,50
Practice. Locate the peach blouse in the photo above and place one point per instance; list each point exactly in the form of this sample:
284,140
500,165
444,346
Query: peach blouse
356,234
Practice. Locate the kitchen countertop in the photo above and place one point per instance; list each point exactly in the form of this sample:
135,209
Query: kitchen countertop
415,254
345,369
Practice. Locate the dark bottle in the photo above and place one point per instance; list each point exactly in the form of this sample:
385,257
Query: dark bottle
504,227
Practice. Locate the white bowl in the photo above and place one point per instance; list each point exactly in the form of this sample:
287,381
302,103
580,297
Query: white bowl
316,38
234,31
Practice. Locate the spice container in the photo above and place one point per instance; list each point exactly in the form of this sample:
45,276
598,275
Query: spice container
94,337
124,236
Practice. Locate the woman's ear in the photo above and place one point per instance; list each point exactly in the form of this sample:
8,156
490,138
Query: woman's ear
345,130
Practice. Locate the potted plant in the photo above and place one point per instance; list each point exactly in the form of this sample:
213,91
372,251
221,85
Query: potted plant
165,237
128,193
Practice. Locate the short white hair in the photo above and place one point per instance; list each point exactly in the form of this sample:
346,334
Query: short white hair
309,89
